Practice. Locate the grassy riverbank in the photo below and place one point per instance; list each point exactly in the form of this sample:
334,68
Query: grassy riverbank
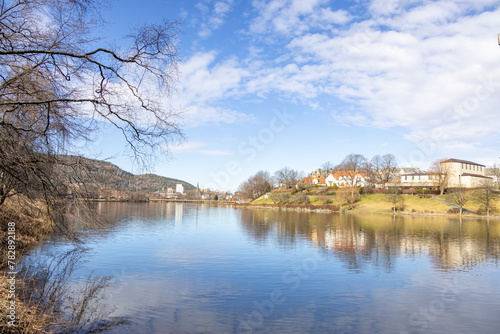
29,225
378,203
33,298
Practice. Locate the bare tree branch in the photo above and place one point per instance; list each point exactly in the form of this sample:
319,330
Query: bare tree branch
57,88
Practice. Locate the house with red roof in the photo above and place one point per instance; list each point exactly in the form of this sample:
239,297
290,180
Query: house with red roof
313,180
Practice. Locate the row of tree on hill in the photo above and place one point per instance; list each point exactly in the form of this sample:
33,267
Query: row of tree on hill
379,168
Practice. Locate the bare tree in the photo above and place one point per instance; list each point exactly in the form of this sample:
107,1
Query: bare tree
441,174
395,197
56,85
486,197
256,186
460,197
328,167
376,168
57,88
495,172
351,169
352,162
368,174
389,166
287,177
347,196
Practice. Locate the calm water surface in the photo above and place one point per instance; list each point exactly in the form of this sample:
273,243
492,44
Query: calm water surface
179,268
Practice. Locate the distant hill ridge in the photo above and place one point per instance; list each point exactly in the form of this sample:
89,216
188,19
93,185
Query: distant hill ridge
108,174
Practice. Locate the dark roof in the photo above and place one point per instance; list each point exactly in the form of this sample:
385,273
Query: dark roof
463,161
412,170
475,175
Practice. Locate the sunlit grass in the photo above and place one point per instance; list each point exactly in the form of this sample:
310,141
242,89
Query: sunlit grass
380,203
262,200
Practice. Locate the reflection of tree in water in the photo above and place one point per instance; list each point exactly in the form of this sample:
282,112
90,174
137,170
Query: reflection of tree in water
285,227
113,214
73,305
363,240
48,283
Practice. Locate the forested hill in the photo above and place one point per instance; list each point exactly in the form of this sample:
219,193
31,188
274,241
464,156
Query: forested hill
104,173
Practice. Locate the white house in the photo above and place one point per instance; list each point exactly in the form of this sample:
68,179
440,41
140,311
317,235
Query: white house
421,179
179,188
330,181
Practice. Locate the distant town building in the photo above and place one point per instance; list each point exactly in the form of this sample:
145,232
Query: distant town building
179,188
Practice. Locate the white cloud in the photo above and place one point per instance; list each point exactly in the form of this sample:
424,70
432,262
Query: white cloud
197,147
203,83
202,80
293,17
198,115
214,16
415,64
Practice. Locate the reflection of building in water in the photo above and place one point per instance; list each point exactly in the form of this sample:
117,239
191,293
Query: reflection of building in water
345,240
378,240
170,210
448,252
179,209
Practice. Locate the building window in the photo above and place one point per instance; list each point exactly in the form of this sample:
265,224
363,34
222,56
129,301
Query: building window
406,178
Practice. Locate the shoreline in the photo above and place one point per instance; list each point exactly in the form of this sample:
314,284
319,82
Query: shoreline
164,200
322,209
318,208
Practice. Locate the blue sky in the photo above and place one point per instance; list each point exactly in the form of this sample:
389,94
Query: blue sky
269,84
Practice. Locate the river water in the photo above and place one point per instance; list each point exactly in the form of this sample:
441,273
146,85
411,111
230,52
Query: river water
179,268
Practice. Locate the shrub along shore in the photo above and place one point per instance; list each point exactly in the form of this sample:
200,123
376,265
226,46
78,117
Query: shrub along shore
32,296
29,225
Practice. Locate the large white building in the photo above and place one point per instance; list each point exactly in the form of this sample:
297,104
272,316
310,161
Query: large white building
463,173
179,188
458,173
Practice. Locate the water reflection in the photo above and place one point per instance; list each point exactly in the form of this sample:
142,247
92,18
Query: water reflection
203,269
379,239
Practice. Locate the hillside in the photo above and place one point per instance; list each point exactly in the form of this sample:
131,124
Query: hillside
104,173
